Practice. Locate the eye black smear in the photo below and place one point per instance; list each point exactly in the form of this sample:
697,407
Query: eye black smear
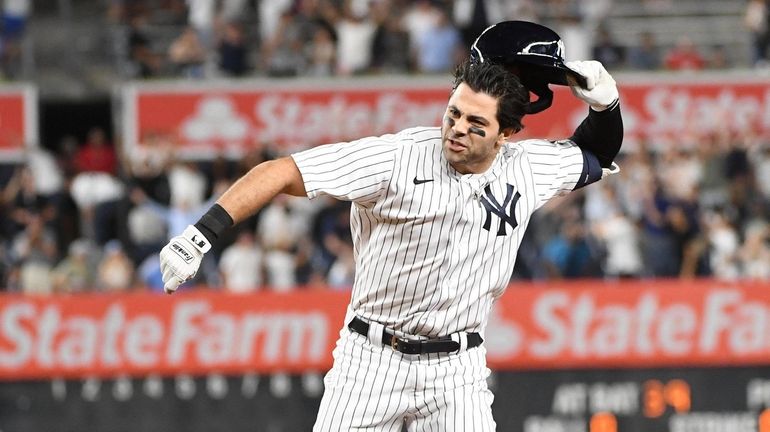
478,131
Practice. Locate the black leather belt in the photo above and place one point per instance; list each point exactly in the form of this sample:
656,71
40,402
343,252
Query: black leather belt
443,344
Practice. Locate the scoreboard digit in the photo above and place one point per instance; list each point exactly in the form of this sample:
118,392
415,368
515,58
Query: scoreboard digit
642,400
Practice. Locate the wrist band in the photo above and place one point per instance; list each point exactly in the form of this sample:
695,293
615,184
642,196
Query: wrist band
214,222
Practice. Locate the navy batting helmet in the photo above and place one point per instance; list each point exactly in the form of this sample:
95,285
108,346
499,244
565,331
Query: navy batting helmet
533,52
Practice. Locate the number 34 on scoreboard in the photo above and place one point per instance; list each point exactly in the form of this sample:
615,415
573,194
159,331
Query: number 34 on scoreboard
657,398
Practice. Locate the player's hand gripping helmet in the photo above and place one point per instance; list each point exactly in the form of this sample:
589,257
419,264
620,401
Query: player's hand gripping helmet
533,52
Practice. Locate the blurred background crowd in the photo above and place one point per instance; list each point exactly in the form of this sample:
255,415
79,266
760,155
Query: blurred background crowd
80,214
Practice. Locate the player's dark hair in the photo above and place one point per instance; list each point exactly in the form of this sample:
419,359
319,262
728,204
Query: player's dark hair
494,80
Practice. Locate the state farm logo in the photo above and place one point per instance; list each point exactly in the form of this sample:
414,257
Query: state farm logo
215,119
193,334
717,324
342,116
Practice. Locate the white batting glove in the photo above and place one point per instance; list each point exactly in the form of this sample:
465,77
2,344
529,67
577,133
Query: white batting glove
601,91
181,257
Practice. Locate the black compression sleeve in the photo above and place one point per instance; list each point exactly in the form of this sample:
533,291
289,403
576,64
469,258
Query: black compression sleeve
214,222
601,133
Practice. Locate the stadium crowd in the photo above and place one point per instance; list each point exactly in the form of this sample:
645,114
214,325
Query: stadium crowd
85,216
89,218
295,38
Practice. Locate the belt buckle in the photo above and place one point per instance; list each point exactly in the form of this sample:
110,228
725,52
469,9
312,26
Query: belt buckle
394,343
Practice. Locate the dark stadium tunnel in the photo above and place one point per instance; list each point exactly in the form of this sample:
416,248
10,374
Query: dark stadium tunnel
60,118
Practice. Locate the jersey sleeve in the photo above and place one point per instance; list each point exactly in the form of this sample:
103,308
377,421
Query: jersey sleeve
355,171
556,167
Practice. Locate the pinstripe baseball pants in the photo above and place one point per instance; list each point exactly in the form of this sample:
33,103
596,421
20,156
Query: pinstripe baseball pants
371,387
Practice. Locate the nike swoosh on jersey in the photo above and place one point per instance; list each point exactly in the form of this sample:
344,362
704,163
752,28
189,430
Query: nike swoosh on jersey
418,181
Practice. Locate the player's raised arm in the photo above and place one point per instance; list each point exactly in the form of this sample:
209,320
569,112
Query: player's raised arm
181,257
535,53
601,133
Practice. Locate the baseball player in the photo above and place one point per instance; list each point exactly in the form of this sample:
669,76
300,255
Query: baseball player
437,217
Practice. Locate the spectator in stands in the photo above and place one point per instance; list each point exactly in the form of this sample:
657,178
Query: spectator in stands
232,10
33,254
568,254
21,202
620,240
336,244
741,187
321,53
662,257
279,228
686,223
418,18
645,55
614,230
77,271
15,14
329,233
713,184
66,155
202,15
146,165
343,270
96,154
680,170
115,271
439,48
595,13
390,38
144,61
49,179
187,184
723,245
754,253
67,223
282,54
524,10
147,232
355,30
577,37
241,264
756,20
684,55
607,51
633,180
96,188
473,16
760,159
232,49
187,54
271,18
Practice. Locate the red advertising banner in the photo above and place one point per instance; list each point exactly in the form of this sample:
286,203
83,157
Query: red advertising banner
631,324
587,324
230,118
18,120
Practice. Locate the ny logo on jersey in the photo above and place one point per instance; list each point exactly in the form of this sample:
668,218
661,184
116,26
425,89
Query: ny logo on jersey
493,206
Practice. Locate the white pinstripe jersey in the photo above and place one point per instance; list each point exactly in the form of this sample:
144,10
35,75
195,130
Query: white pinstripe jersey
434,247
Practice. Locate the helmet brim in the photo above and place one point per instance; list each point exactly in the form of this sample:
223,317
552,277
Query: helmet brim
555,72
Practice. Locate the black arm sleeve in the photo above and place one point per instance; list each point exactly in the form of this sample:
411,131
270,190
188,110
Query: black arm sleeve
214,222
601,133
